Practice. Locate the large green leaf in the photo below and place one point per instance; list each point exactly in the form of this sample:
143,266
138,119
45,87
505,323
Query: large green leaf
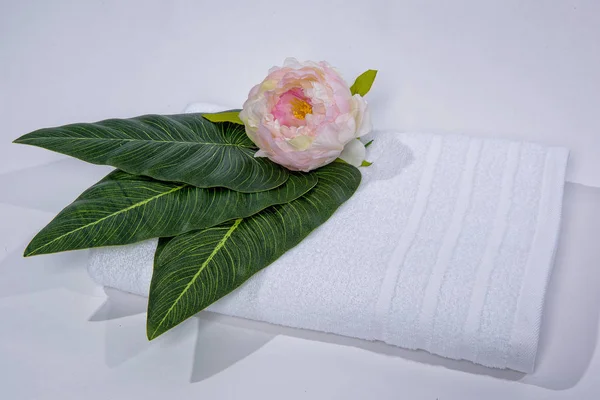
124,208
193,270
179,148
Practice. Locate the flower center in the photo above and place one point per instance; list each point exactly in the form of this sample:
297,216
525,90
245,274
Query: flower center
292,107
300,108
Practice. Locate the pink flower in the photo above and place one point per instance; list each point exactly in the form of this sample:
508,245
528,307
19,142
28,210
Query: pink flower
303,115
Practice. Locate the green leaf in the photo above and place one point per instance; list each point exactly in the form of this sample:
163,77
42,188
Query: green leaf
124,208
370,142
225,116
177,148
195,269
363,83
366,163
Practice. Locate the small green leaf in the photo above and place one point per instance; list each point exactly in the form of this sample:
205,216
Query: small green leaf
225,116
195,269
366,163
363,83
124,208
369,143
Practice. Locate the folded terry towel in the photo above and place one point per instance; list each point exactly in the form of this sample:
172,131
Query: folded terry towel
447,246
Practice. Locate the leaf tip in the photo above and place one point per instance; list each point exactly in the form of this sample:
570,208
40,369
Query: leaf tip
153,331
29,251
30,137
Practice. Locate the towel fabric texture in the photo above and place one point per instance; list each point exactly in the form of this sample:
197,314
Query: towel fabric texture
447,246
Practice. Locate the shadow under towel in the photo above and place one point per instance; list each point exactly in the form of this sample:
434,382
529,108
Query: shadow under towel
447,246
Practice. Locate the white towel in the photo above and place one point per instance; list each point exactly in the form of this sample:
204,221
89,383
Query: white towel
447,246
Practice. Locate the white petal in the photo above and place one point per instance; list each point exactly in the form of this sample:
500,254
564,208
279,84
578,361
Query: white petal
292,62
363,116
354,153
261,153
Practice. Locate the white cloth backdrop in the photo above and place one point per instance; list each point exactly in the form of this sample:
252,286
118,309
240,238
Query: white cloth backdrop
513,69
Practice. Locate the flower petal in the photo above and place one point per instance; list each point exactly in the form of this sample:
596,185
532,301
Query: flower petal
362,115
354,153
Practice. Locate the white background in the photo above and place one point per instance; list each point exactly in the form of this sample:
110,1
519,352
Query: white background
514,69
